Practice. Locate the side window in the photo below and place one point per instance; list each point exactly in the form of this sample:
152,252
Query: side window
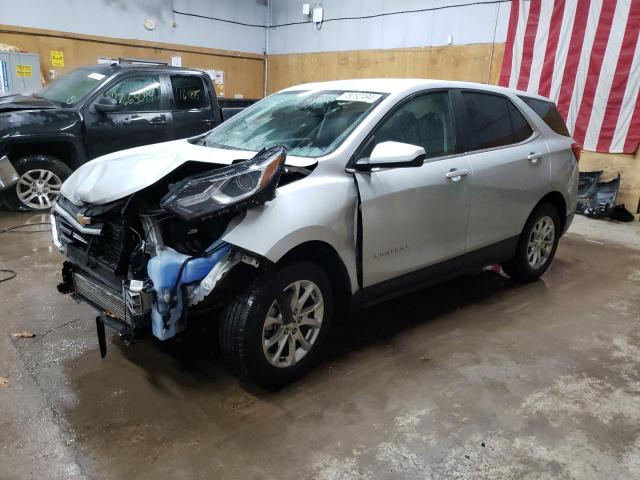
188,92
493,121
548,112
426,121
521,128
135,94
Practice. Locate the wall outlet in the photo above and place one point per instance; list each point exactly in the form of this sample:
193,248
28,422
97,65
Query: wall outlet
306,9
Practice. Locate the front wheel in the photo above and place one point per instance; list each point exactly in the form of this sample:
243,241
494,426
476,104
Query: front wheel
259,345
537,245
41,178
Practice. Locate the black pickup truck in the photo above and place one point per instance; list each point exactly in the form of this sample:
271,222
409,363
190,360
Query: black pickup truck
93,111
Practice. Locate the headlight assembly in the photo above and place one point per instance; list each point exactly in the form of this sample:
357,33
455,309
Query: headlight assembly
239,186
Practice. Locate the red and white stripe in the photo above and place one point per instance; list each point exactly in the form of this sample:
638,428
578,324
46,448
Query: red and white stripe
585,56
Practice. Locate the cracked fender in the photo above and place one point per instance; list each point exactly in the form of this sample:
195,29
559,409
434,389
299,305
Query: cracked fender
321,207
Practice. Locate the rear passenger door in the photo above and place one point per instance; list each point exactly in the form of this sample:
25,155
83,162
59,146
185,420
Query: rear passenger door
191,106
510,167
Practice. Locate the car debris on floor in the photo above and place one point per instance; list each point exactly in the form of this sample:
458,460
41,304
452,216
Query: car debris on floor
598,199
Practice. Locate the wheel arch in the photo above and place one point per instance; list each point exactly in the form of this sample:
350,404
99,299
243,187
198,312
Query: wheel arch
63,150
555,199
328,259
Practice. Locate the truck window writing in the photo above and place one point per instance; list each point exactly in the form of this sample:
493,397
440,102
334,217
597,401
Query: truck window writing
188,92
141,92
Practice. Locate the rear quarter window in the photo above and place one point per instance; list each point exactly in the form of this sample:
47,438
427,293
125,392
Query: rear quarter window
548,112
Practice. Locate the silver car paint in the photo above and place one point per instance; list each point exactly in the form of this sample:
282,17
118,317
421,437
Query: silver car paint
412,217
414,208
505,186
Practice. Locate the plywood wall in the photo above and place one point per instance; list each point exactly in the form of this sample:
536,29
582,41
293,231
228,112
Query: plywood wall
476,63
244,72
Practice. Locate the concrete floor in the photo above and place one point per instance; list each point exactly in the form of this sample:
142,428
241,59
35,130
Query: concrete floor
475,378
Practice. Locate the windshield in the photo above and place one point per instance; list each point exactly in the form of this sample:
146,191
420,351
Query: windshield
308,123
72,87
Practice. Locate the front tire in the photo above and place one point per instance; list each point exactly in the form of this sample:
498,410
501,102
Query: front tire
41,177
258,346
537,245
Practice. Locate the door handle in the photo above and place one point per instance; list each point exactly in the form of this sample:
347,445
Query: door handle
160,122
456,174
534,157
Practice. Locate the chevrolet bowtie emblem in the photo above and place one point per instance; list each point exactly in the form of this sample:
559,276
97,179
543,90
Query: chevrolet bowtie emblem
83,219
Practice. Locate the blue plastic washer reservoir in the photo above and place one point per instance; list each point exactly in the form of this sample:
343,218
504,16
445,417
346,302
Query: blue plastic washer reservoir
163,270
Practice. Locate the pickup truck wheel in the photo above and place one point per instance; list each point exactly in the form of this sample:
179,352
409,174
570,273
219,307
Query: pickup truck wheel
537,245
41,177
256,343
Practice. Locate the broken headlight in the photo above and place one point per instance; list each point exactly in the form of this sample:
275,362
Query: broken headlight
239,186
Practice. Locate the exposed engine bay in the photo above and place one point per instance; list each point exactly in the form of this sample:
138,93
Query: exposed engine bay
147,259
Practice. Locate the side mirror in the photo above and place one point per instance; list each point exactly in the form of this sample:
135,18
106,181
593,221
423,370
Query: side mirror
392,155
106,104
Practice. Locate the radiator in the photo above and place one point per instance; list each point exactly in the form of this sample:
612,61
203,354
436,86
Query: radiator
109,300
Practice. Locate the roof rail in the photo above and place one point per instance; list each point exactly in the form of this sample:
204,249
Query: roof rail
141,61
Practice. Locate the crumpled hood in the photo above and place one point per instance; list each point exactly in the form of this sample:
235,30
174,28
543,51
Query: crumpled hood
120,174
23,102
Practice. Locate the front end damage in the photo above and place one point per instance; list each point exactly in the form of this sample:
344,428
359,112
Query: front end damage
150,260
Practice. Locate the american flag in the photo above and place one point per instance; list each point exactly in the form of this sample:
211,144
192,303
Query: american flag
584,55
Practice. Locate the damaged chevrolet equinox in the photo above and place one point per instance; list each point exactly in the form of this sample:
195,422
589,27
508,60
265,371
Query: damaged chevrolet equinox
318,199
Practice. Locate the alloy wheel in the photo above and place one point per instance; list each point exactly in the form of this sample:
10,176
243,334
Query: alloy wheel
285,345
541,242
38,189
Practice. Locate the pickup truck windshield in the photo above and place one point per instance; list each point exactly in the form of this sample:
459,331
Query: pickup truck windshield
308,123
72,87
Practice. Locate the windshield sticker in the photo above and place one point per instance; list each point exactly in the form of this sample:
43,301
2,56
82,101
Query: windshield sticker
96,76
359,97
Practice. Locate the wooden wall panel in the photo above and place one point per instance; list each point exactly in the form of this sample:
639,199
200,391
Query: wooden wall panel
456,62
244,72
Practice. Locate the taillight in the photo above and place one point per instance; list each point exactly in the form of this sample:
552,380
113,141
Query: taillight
575,148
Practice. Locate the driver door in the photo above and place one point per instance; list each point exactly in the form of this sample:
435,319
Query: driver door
142,116
414,219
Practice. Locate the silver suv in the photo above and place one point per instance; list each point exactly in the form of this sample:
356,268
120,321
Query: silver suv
317,199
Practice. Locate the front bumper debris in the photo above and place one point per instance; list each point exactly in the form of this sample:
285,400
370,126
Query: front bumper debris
129,308
595,198
8,174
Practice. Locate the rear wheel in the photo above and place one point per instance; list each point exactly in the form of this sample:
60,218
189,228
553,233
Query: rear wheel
41,177
255,341
537,245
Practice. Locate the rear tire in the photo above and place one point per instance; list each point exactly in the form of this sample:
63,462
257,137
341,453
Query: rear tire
41,177
254,342
537,245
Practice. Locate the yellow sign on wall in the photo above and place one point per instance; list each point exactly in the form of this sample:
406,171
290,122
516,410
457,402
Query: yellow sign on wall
57,58
24,71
